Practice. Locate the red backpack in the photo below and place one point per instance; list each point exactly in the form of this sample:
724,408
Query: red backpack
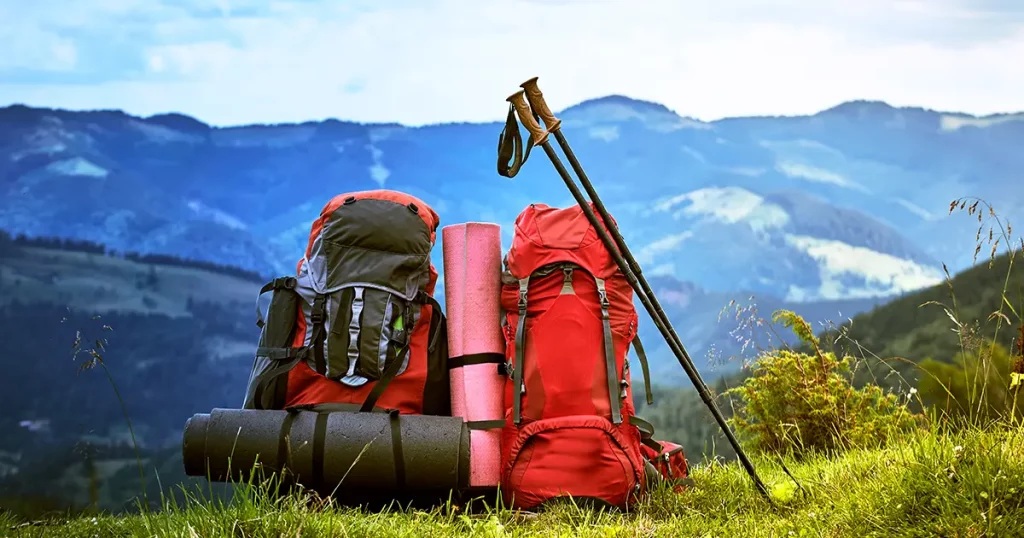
358,325
569,320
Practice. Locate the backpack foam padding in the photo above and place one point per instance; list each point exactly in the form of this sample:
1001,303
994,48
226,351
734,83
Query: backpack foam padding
226,444
472,290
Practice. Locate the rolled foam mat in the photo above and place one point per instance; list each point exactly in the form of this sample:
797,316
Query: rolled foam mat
472,290
320,449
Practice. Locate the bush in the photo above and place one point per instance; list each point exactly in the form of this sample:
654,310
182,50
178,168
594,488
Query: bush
976,388
799,403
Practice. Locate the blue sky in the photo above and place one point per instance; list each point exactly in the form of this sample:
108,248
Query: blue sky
427,61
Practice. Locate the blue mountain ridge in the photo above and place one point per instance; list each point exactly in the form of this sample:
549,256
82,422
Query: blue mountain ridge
829,213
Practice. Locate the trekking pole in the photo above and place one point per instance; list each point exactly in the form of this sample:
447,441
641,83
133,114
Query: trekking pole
536,100
617,248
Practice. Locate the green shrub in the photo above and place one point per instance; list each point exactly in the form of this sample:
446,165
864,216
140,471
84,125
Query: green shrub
976,388
799,403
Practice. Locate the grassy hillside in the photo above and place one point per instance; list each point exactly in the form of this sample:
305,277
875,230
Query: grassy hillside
176,337
888,344
101,283
937,322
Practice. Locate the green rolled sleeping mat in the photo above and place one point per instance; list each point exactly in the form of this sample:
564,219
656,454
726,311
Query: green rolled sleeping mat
348,454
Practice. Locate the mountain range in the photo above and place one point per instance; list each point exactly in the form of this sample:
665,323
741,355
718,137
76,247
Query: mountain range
828,214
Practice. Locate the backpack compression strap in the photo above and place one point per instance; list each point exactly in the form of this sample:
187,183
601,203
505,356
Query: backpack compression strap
287,359
640,354
609,352
316,341
510,146
517,369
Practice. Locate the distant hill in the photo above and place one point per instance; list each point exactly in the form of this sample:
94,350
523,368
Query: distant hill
915,328
830,212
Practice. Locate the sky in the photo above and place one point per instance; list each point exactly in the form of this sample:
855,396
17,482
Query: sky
415,62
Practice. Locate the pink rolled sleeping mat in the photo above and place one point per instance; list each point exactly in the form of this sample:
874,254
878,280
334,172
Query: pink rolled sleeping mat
472,291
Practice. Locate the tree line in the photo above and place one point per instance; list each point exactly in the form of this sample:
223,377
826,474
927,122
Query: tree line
8,241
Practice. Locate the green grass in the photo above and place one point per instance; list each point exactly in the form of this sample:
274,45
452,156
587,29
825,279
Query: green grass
924,486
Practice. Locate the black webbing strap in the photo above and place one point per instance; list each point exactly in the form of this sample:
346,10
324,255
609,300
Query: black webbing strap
281,390
436,318
646,433
640,354
316,316
653,444
609,352
475,358
517,370
485,424
284,453
281,368
646,428
284,282
280,353
392,369
396,447
319,440
510,146
385,379
332,407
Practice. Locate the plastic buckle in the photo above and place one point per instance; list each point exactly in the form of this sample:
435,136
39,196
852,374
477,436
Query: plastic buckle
316,314
522,300
400,338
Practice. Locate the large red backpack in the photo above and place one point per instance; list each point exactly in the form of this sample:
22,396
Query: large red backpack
570,429
358,327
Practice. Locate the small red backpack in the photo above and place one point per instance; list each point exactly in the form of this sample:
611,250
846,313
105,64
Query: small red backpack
569,320
358,327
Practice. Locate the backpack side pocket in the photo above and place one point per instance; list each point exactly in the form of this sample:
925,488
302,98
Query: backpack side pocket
275,357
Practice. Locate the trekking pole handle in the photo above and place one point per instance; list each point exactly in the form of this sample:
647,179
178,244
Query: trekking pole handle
538,134
537,103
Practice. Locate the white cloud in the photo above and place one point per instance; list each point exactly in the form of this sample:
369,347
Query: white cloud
434,61
608,133
77,167
726,204
814,173
647,253
949,122
216,215
916,209
876,273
